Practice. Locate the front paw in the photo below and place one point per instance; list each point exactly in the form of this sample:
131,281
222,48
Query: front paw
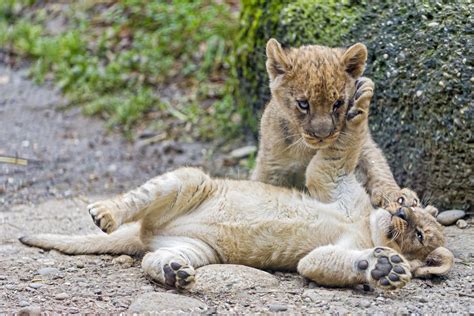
404,197
385,268
361,101
103,216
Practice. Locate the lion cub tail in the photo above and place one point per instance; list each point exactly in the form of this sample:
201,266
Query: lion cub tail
125,240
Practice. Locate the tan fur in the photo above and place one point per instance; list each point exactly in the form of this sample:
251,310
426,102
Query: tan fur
185,219
289,138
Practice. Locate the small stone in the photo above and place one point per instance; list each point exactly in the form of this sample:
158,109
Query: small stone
380,299
243,152
419,93
385,56
48,271
423,299
61,296
433,24
80,265
112,168
30,311
447,218
312,295
3,277
461,224
312,285
123,260
23,303
35,285
365,304
277,307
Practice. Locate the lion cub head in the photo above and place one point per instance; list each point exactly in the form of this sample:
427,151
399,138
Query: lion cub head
418,236
314,86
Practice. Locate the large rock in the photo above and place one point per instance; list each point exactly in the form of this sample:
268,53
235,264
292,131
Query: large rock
422,114
222,278
166,303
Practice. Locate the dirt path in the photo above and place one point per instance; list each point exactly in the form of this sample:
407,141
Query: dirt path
75,160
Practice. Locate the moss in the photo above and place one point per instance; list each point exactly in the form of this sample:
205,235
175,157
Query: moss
422,115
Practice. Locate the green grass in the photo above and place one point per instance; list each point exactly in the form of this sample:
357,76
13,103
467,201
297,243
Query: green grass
118,58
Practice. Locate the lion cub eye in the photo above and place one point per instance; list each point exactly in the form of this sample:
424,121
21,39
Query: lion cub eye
337,104
419,235
303,105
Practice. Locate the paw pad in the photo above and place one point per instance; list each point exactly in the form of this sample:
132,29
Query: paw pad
388,270
178,275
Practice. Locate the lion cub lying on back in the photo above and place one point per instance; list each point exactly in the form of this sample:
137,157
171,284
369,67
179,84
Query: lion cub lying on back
312,88
184,219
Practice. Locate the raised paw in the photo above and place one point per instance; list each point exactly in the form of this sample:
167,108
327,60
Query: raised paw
102,215
179,275
404,197
385,268
359,111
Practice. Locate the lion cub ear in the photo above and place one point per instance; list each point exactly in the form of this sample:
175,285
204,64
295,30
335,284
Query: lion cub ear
277,60
438,262
354,59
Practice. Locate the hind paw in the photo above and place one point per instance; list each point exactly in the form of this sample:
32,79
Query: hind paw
103,217
385,268
179,275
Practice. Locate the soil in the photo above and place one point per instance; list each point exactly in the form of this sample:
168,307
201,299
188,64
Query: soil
75,160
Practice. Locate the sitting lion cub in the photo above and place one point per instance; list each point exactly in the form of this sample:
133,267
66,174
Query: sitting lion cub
312,88
184,219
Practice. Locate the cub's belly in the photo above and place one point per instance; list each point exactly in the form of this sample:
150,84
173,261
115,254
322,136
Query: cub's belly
276,244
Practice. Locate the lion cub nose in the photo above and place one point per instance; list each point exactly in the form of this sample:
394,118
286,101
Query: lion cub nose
401,214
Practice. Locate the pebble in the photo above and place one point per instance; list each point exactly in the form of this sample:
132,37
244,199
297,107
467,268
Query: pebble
3,277
23,303
450,217
35,285
61,296
461,224
80,265
365,303
30,311
277,307
48,271
423,300
123,260
312,295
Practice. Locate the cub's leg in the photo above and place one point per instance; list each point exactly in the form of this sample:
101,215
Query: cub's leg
337,266
174,264
159,194
330,165
378,177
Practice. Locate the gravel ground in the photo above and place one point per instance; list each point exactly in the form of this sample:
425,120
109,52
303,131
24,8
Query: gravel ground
77,161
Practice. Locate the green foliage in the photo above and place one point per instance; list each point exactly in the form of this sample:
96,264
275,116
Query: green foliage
116,58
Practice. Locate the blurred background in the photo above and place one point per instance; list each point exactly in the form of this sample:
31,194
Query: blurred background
187,80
